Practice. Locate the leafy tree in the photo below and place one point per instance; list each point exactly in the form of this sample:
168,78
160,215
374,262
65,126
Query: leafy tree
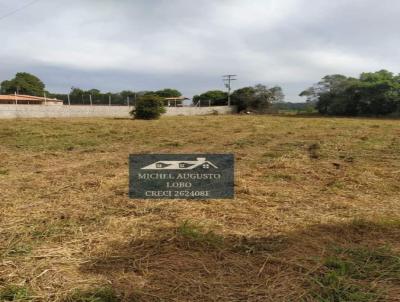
265,96
127,93
310,94
93,91
243,97
145,92
23,83
148,107
258,98
77,96
76,92
211,97
376,93
379,93
168,93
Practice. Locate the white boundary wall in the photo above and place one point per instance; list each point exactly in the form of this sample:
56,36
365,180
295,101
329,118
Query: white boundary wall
43,111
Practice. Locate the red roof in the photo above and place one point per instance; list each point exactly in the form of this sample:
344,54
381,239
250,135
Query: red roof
23,97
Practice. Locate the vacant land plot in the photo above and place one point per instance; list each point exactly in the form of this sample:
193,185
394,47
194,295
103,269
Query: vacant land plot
316,215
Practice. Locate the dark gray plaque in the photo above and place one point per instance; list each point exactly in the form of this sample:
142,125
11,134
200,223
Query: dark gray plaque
181,176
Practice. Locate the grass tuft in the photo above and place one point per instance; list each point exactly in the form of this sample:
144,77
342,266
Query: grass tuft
350,274
196,234
14,293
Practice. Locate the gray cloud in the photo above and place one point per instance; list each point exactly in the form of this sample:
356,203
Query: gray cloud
114,45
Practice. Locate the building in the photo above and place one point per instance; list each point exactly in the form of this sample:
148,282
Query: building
22,99
175,101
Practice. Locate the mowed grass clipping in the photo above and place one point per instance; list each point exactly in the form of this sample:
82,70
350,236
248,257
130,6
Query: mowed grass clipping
316,215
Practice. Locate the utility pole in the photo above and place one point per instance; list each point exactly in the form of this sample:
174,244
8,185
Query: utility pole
69,100
109,100
227,81
90,98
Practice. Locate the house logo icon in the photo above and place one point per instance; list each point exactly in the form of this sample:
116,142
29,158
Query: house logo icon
181,164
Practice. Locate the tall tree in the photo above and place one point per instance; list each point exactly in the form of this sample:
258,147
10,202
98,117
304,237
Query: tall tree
23,83
258,98
373,93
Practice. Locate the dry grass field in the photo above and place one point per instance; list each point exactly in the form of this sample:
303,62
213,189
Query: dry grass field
316,215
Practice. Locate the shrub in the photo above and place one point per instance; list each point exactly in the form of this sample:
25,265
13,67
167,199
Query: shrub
148,107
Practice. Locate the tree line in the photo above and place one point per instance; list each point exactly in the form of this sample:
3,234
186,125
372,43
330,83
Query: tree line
372,93
80,96
255,98
29,84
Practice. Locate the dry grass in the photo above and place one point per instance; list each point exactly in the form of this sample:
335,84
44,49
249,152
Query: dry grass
316,215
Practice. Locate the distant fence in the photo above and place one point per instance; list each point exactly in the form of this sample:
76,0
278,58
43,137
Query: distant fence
62,111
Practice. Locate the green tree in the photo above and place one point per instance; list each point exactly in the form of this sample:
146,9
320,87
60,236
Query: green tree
379,93
211,97
373,93
76,95
23,83
168,93
127,93
264,97
258,98
243,98
148,107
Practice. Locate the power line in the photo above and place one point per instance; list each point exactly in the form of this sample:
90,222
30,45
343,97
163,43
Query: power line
18,9
227,81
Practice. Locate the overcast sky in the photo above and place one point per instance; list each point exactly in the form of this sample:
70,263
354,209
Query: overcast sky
189,44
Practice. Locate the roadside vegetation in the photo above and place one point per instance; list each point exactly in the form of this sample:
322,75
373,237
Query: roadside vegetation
315,218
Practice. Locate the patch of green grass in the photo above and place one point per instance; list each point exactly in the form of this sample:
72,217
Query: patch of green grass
53,229
332,287
196,234
4,172
15,293
366,263
19,249
105,294
349,274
